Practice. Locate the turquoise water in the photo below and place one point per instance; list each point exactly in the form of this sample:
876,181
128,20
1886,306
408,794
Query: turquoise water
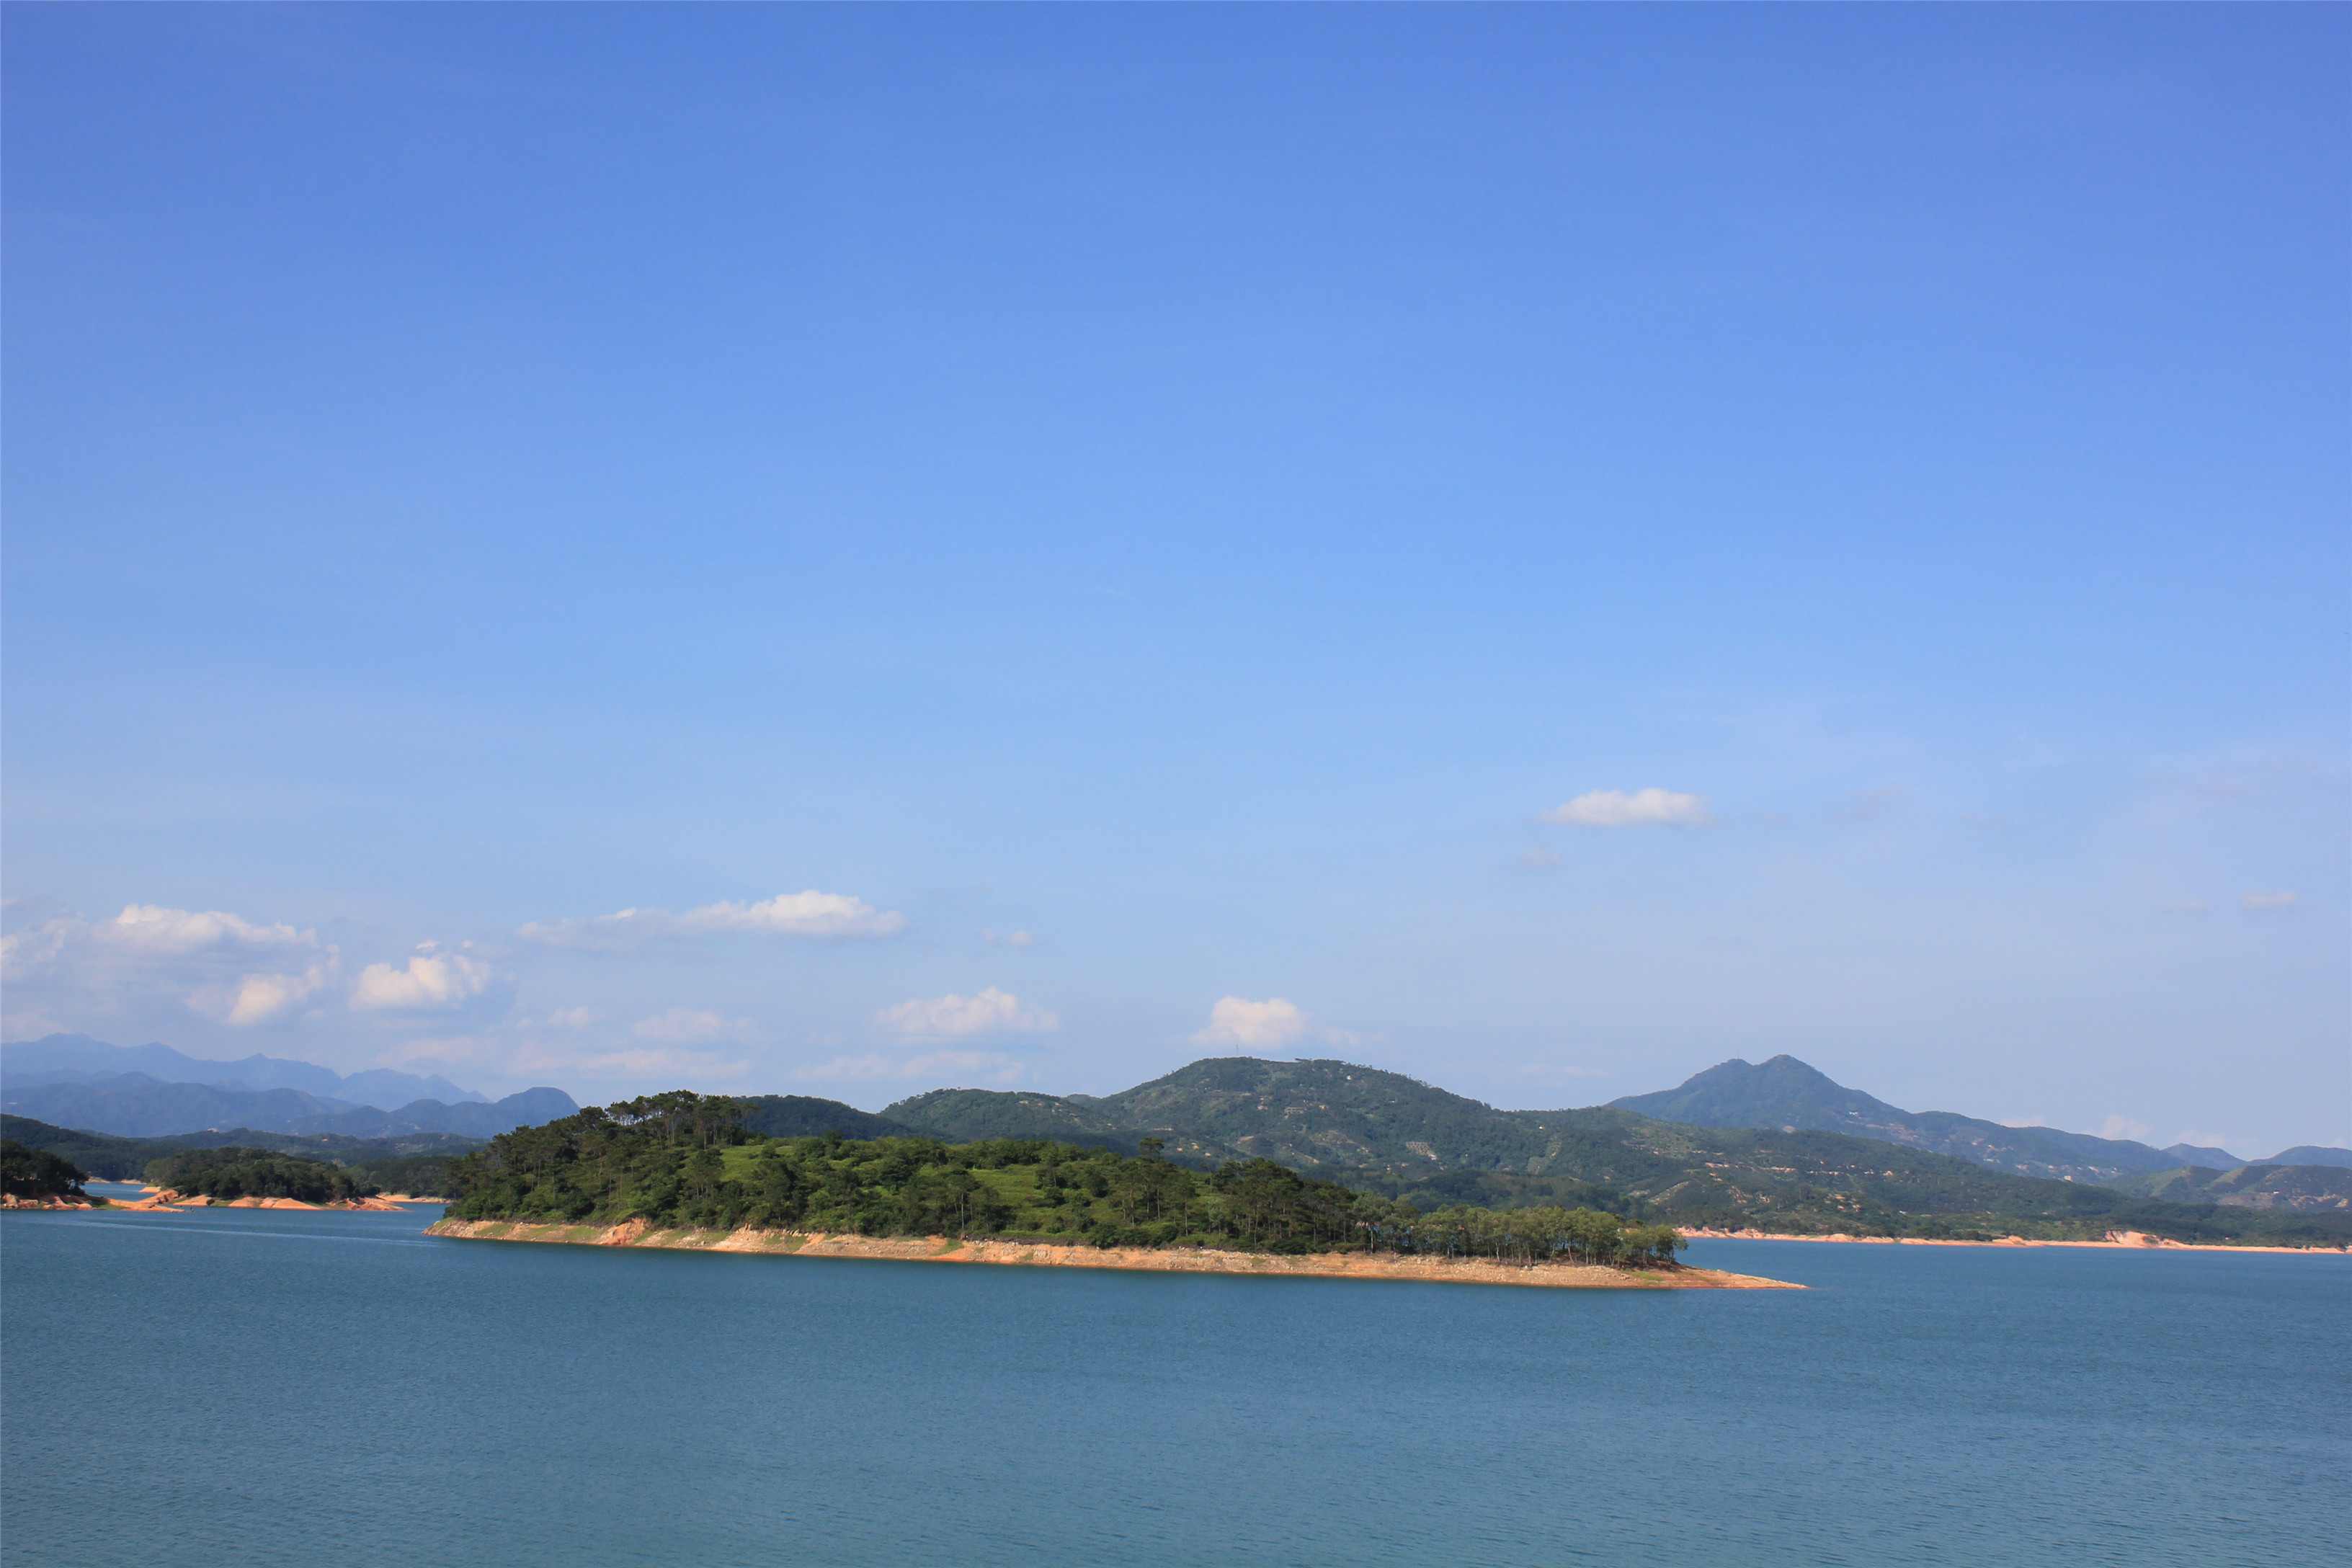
256,1388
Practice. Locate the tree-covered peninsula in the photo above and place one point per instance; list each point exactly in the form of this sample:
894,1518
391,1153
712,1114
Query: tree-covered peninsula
683,1160
227,1174
36,1175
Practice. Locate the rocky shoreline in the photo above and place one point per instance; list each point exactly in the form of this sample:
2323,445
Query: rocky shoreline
1050,1255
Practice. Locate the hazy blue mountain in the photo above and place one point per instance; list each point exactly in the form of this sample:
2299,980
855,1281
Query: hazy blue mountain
122,1158
138,1105
471,1119
78,1058
2311,1154
1785,1093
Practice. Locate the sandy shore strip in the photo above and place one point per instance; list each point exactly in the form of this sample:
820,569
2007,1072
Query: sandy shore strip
2115,1240
1037,1253
169,1201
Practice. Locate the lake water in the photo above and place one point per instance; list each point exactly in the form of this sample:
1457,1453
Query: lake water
254,1388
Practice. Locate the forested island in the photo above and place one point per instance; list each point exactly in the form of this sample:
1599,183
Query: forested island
682,1162
227,1174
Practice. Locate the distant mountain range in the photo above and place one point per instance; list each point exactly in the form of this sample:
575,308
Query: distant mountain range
78,1058
1785,1093
74,1081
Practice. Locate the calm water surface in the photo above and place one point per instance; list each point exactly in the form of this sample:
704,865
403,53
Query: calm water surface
254,1388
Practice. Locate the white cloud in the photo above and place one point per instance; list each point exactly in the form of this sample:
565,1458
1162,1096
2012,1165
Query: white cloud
71,971
1643,807
1539,857
805,914
432,981
683,1025
2268,904
987,1066
993,1012
259,998
2124,1128
1008,939
1237,1021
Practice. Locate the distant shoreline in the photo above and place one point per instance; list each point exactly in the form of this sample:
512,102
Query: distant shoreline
2117,1241
1174,1259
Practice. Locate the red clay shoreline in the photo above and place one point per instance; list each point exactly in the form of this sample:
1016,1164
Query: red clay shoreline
1033,1253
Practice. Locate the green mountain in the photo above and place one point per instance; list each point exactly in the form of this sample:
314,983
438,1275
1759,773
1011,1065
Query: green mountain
1386,1133
2311,1154
2301,1188
803,1116
1307,1114
965,1115
1784,1093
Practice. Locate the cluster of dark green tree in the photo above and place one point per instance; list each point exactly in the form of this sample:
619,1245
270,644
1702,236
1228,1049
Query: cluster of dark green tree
29,1172
229,1173
684,1160
414,1175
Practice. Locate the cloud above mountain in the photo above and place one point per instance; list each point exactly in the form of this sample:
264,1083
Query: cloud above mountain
810,914
216,964
431,982
1260,1025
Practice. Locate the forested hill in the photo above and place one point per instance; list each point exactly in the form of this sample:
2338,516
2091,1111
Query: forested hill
803,1116
1305,1114
680,1160
973,1114
1382,1131
1608,1160
2302,1188
1785,1092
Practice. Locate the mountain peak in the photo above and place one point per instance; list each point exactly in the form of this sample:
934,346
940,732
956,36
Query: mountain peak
1779,1091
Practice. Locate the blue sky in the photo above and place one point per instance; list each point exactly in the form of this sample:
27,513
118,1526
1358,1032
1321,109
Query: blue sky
1029,545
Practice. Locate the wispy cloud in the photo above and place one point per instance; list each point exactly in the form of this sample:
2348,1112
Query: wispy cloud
993,1012
2268,904
1008,939
809,913
1642,808
683,1026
